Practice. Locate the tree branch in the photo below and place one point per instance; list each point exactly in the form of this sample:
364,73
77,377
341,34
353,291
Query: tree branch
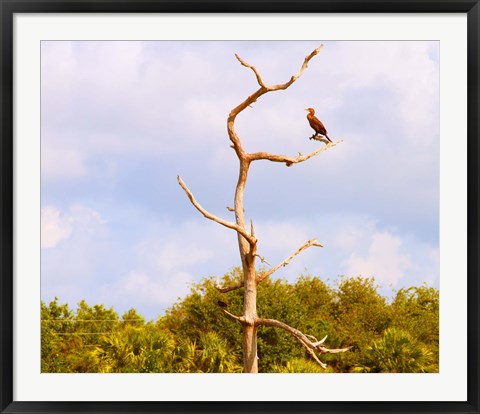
262,259
290,160
224,289
306,245
311,347
241,319
210,216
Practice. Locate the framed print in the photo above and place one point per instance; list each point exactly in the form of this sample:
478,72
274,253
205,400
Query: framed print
233,206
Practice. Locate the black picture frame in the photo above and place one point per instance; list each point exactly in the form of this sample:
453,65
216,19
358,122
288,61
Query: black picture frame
8,8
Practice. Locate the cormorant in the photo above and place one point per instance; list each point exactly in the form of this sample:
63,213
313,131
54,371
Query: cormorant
316,124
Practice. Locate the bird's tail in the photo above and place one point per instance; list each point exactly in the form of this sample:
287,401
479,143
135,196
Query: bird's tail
326,136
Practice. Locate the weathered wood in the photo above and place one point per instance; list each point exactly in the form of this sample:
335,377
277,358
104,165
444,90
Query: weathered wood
247,242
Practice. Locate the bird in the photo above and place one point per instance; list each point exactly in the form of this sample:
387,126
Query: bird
222,304
316,124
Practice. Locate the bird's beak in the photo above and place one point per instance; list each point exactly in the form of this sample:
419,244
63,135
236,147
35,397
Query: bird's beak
306,109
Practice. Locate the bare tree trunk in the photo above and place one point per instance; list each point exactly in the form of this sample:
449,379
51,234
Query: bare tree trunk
247,241
250,360
247,251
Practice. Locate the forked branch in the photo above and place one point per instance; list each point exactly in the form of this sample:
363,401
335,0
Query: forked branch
281,85
259,78
257,94
312,347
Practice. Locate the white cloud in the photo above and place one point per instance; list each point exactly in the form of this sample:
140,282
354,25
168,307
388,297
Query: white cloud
175,254
432,269
205,114
385,260
403,69
142,287
57,226
348,236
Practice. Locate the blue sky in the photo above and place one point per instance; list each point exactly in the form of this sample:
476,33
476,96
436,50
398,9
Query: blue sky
120,121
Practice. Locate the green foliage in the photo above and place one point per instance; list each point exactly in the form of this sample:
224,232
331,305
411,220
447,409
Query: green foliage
132,318
300,366
397,351
195,335
416,310
135,349
275,346
361,316
210,354
56,321
66,337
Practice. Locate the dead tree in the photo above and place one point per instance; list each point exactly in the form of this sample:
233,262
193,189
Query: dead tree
247,240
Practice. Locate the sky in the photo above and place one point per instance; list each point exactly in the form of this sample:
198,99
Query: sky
120,120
